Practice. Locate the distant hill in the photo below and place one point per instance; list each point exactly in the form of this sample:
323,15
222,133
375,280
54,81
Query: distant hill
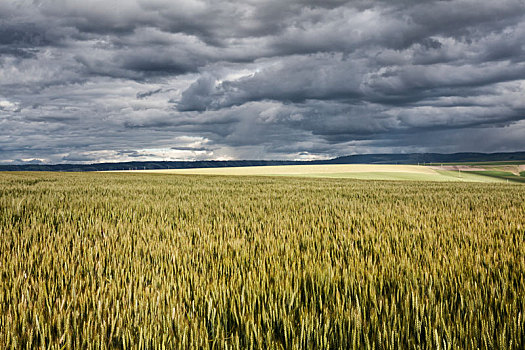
415,158
407,158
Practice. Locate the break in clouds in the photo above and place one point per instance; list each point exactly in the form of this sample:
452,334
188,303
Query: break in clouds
90,81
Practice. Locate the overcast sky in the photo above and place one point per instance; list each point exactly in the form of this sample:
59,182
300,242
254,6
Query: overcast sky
120,80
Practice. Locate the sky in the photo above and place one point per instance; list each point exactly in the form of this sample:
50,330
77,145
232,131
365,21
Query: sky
137,80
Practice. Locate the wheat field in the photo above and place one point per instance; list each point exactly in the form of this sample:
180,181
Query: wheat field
147,261
346,171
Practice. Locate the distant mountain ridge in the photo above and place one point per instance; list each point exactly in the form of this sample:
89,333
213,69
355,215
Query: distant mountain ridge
401,158
415,158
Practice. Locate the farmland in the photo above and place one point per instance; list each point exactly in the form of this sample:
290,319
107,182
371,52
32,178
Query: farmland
140,260
513,171
347,171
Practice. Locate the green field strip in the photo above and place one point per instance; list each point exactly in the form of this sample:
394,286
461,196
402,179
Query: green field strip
504,162
502,175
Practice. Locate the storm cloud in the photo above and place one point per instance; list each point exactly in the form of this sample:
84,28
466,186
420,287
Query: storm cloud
90,81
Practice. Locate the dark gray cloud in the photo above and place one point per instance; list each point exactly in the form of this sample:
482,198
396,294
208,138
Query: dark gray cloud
199,79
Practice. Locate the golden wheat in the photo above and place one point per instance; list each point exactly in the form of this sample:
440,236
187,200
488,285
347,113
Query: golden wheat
162,261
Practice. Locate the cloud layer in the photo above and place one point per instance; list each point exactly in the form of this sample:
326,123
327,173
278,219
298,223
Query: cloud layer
159,79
